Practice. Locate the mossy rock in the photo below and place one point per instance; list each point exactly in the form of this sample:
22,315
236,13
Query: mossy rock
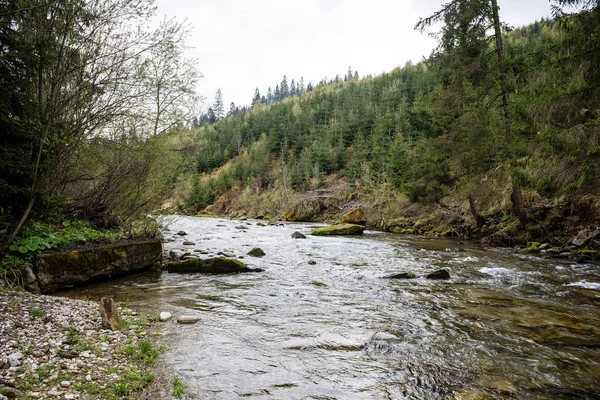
534,247
217,265
66,269
256,252
403,275
341,229
354,216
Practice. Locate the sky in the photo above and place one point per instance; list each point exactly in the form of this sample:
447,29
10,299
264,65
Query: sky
240,45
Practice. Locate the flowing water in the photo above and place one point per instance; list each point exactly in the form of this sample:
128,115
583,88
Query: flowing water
505,326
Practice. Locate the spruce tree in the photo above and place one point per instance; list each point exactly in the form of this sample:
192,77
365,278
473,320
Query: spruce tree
293,88
218,108
301,87
269,95
284,88
256,98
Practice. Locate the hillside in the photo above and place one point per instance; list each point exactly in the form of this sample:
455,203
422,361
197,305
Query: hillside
422,147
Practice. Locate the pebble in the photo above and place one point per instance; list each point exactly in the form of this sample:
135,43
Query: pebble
69,323
165,316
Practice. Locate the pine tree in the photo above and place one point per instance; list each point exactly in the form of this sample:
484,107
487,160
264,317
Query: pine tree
269,96
218,108
301,87
309,87
355,76
293,91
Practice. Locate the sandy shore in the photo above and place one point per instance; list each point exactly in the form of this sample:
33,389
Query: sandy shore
55,348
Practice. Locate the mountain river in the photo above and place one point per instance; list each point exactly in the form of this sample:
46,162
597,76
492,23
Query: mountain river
506,325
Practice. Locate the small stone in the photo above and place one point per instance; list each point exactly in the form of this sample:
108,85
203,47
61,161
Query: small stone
65,384
53,392
14,359
70,396
187,319
88,378
181,233
35,395
298,235
187,243
311,262
241,227
164,316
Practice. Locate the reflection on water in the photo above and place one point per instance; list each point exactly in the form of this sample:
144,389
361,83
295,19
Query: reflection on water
505,326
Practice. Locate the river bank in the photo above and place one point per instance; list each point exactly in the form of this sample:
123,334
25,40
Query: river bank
565,230
55,347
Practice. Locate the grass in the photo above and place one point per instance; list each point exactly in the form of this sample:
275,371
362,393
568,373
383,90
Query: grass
178,388
133,381
144,352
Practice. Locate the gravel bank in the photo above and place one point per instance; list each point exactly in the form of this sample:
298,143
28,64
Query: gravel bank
55,348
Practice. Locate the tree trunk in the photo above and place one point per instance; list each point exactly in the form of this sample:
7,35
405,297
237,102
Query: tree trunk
21,222
518,207
516,197
478,219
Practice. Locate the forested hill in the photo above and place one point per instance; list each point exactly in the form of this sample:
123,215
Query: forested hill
426,144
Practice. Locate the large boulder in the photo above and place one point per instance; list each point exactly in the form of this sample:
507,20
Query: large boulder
217,265
67,269
298,235
340,229
354,216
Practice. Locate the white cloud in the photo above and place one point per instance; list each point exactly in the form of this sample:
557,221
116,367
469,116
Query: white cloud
241,45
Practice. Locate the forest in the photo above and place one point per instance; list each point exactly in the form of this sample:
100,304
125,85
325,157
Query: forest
496,135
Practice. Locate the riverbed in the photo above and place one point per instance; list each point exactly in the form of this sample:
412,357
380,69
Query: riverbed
506,325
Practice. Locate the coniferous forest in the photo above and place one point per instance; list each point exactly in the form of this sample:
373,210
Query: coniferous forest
495,135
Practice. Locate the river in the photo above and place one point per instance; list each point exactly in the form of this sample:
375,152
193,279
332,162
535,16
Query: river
507,325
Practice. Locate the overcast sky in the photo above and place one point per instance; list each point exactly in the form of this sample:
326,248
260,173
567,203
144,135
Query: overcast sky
244,44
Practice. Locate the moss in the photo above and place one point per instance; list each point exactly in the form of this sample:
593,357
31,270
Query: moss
341,229
217,265
66,269
534,247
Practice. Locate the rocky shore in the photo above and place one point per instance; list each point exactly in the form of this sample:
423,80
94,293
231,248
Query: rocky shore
56,348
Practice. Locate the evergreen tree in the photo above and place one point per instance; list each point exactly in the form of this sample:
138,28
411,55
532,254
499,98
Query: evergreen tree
284,88
218,108
269,96
277,96
463,53
356,76
232,110
256,98
211,117
309,87
301,87
293,91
